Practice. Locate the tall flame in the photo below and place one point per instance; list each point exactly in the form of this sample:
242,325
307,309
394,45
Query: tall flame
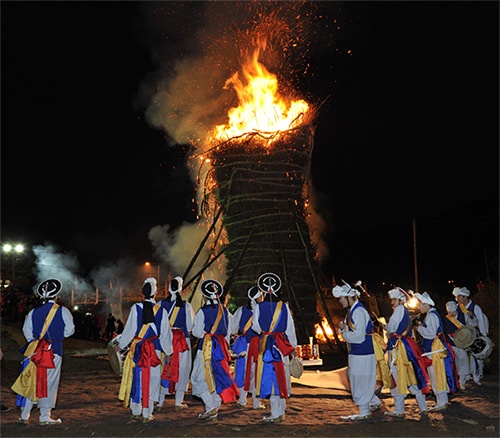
260,108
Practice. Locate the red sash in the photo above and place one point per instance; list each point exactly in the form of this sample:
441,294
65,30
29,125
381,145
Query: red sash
148,358
171,370
43,359
252,357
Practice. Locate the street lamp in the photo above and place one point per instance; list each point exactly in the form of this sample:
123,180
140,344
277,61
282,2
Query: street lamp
13,249
158,270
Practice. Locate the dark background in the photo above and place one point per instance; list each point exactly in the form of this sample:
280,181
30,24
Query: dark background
407,129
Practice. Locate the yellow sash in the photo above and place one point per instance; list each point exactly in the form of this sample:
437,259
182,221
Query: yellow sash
406,373
455,321
383,372
129,364
438,364
173,317
207,351
25,384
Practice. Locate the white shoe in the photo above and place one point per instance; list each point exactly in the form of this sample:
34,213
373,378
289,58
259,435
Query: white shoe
394,414
209,415
355,417
375,407
273,419
50,422
437,408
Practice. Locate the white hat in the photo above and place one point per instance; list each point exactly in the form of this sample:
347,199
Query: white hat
424,298
451,306
254,292
175,290
398,294
149,287
344,291
461,291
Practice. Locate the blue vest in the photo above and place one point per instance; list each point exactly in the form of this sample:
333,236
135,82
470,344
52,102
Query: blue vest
180,320
266,313
246,314
149,332
366,347
55,332
404,326
210,314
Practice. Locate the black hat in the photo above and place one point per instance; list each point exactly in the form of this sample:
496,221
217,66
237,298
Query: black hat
48,289
211,289
269,283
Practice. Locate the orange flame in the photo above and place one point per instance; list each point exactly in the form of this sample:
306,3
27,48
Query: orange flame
260,108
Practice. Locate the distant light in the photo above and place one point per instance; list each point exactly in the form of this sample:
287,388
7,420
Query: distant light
412,303
17,248
75,307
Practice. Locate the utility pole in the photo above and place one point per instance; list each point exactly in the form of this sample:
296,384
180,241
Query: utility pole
414,226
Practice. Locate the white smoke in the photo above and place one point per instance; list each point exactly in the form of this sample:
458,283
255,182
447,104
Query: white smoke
50,263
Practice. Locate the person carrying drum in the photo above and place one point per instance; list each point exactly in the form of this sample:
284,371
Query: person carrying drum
407,370
175,375
211,379
44,328
273,321
467,308
451,326
246,348
148,332
438,350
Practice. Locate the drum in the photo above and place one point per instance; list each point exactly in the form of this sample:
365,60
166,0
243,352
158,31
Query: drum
116,358
481,347
465,337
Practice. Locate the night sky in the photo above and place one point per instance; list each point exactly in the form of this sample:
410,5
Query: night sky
407,128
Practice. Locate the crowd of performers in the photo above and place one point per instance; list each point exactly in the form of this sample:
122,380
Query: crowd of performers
437,363
260,338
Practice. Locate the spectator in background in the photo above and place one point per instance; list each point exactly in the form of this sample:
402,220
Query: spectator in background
119,326
110,327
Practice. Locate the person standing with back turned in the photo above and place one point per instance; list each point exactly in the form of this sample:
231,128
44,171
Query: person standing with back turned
45,327
273,320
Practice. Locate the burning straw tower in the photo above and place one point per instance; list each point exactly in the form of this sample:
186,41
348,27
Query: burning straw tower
258,187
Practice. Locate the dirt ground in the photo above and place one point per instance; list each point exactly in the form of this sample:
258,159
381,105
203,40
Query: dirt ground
89,407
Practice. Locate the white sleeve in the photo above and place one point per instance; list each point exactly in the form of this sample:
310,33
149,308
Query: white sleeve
431,327
255,320
360,320
69,325
199,325
482,320
130,328
235,321
28,327
290,329
189,317
165,333
395,319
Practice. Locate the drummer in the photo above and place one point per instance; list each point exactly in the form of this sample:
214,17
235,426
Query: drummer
451,326
148,332
469,309
438,350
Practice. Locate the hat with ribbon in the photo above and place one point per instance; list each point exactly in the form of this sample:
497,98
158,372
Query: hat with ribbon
399,294
211,289
424,298
461,291
269,283
149,287
48,289
175,286
254,292
344,291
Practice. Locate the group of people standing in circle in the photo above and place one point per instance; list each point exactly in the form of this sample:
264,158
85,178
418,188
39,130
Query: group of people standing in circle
159,359
403,365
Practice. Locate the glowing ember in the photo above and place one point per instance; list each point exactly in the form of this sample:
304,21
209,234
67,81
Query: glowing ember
260,108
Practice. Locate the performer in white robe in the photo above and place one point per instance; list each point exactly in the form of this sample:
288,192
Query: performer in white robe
175,376
148,332
362,363
44,328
